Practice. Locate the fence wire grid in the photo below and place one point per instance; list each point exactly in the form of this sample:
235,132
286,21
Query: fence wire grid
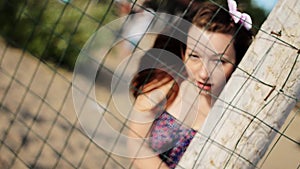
39,126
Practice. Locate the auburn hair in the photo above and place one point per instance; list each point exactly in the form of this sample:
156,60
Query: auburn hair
208,16
215,18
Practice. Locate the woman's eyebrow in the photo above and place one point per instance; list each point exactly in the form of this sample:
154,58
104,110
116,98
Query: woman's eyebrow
198,48
223,56
220,55
192,50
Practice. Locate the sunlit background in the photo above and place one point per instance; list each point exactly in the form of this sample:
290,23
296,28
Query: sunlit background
39,45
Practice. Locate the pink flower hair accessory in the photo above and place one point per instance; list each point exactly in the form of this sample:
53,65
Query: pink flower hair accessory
238,17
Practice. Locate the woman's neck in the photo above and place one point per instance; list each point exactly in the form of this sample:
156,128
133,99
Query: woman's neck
191,107
206,102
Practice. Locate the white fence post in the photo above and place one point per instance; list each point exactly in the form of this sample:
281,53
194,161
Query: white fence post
257,99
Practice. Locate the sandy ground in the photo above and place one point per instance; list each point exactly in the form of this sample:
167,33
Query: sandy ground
38,124
39,127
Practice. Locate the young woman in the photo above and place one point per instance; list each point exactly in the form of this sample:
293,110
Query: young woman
177,104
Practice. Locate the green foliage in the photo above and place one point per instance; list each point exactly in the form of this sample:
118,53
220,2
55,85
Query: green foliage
258,14
53,30
56,30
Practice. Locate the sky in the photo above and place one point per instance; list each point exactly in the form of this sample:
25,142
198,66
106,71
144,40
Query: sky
266,4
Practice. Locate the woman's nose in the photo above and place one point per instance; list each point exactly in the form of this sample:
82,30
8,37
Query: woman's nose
204,72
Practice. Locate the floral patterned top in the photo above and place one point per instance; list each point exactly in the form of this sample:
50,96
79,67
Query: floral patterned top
170,138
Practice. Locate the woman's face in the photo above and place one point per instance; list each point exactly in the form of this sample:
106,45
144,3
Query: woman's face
209,59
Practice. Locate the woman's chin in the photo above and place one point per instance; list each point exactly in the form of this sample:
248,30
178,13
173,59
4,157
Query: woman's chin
205,92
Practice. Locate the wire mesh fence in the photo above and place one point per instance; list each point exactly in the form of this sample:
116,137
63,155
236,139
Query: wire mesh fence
39,125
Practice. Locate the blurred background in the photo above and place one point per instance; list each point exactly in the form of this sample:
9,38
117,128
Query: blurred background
56,30
39,44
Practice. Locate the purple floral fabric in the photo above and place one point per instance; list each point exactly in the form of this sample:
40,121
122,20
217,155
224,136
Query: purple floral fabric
170,138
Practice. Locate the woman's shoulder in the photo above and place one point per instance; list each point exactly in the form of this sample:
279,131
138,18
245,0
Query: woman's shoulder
148,101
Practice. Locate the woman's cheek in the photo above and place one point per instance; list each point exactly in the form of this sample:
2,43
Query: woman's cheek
190,69
228,71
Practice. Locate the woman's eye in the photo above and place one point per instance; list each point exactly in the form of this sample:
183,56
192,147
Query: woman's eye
219,61
194,55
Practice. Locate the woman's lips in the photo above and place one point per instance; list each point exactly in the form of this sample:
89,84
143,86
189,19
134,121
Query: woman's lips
204,86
